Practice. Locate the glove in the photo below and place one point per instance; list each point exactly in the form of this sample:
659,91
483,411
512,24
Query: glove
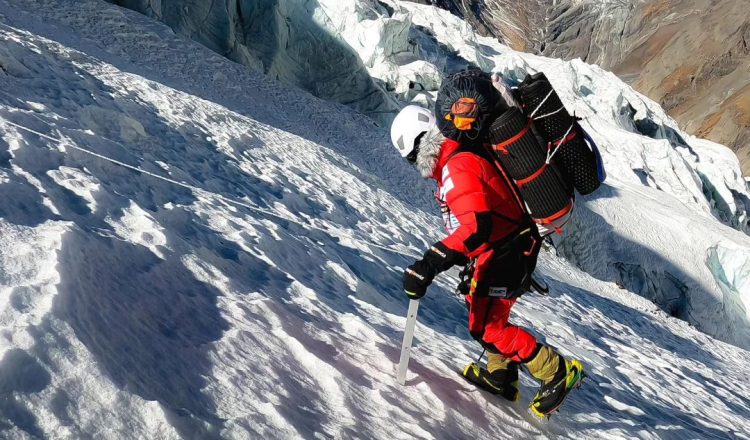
419,275
417,278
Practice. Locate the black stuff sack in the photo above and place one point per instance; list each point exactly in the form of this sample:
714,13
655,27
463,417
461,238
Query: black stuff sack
466,104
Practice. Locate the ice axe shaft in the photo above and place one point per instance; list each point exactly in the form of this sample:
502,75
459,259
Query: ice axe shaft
411,321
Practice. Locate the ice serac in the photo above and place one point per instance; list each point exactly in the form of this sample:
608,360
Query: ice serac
286,39
730,266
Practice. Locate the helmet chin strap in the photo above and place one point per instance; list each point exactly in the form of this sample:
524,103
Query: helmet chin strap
412,157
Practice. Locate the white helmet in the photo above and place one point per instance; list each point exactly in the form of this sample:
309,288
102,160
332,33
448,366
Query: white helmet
411,123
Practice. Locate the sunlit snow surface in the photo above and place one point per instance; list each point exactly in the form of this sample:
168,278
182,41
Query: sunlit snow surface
135,308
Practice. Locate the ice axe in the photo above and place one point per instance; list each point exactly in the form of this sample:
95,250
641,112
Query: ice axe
411,321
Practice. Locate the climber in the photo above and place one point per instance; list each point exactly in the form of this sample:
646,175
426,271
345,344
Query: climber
490,232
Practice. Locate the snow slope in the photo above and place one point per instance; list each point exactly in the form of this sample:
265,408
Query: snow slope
256,293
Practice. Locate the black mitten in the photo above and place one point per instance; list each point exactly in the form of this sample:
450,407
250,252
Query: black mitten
419,275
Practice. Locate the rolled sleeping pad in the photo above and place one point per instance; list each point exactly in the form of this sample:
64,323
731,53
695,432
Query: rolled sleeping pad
516,145
517,148
575,157
533,91
546,196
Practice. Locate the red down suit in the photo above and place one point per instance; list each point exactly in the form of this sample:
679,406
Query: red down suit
481,211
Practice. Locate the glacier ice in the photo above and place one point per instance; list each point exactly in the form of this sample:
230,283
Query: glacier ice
730,267
285,40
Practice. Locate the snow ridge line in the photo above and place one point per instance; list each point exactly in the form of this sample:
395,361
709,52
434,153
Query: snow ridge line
199,190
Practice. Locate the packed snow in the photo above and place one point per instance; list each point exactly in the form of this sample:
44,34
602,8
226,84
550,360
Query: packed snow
189,249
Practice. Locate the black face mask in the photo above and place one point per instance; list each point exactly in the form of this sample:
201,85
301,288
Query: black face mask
412,157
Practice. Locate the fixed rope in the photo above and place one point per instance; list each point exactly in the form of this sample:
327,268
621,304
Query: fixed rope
198,190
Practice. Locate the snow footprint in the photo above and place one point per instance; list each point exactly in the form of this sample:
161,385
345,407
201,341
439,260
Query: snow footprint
139,227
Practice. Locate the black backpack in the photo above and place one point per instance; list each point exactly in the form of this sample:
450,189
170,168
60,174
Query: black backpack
545,152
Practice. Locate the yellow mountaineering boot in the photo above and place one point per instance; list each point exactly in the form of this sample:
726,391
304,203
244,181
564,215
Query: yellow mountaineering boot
500,377
558,376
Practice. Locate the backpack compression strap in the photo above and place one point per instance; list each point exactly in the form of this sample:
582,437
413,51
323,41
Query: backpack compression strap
503,146
550,153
